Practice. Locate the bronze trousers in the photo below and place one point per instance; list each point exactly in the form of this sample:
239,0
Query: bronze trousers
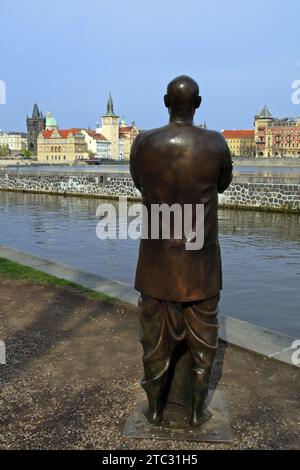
166,324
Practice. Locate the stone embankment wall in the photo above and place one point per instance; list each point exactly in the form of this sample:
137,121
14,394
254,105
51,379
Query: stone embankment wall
267,162
276,192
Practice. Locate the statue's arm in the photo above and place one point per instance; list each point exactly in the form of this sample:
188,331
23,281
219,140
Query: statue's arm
225,176
134,163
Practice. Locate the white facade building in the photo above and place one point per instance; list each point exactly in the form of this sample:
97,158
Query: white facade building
15,141
97,144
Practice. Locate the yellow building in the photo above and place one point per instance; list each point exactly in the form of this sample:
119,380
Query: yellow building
61,146
127,134
241,142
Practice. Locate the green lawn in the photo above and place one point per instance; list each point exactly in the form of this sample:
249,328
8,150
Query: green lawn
12,270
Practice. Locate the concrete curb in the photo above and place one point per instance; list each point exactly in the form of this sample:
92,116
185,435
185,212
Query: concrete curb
245,335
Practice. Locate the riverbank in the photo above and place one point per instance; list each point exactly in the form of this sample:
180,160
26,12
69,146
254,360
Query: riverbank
17,272
278,162
267,162
249,336
73,370
277,192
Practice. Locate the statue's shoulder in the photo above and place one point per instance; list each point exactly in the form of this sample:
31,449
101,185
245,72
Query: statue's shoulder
145,136
209,133
214,137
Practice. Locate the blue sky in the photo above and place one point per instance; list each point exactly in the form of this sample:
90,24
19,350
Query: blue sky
69,54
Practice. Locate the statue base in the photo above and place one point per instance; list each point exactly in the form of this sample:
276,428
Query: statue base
175,425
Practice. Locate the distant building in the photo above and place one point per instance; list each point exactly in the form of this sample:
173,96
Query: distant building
127,134
110,128
14,141
241,142
35,125
61,146
103,147
97,144
276,137
119,134
51,123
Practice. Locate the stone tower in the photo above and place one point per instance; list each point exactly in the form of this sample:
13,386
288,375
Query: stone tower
263,136
35,125
110,128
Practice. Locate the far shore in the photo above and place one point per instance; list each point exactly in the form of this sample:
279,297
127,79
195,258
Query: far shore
238,161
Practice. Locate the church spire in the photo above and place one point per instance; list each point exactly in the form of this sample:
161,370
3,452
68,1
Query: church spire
35,112
110,106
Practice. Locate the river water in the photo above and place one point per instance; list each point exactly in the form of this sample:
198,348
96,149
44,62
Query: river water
123,168
260,250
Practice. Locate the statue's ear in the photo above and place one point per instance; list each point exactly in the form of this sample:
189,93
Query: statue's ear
198,102
167,101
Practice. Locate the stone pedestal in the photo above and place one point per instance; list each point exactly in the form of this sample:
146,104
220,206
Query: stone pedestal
177,412
175,425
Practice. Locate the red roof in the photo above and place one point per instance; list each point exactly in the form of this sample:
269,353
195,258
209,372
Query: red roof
125,129
239,134
95,135
63,133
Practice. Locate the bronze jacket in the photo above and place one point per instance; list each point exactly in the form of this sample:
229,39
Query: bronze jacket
180,164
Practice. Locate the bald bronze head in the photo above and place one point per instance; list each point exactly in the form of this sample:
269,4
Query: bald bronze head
182,98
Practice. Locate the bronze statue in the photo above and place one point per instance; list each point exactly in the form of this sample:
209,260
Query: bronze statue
180,289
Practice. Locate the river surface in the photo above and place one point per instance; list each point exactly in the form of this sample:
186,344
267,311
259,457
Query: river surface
260,250
107,168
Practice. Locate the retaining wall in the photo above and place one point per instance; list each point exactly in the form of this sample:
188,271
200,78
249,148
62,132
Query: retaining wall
252,191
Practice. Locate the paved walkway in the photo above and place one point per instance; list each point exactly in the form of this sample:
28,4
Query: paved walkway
73,371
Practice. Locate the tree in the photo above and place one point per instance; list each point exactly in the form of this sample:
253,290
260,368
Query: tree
4,150
26,153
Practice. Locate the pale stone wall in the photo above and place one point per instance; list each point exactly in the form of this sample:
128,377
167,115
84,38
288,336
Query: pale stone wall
245,191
